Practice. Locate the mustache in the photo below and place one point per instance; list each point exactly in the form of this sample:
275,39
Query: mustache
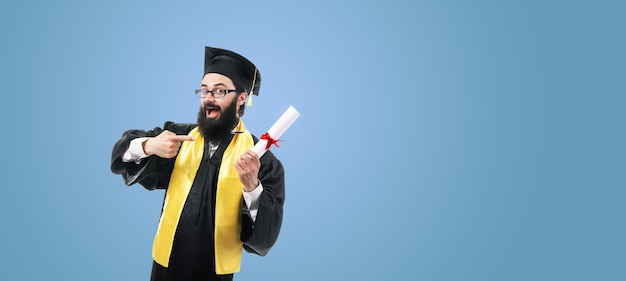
210,105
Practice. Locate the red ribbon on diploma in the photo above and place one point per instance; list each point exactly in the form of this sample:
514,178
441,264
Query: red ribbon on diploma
270,141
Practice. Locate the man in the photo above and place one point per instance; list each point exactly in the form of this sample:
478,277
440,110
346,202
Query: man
220,197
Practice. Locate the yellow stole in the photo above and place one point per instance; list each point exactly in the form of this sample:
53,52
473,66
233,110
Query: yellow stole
228,246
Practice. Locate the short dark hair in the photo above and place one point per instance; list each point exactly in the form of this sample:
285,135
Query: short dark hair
242,108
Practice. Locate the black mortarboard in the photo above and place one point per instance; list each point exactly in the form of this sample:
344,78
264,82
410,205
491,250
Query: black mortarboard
239,69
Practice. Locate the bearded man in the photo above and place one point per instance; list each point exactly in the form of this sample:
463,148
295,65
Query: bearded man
220,196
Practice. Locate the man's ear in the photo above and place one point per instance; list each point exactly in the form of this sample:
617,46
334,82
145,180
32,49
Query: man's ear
242,98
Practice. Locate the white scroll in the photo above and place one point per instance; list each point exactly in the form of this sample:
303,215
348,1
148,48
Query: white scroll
277,130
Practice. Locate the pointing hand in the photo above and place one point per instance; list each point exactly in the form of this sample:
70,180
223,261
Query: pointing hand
165,145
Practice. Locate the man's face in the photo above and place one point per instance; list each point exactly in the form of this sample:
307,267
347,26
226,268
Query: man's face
218,116
214,106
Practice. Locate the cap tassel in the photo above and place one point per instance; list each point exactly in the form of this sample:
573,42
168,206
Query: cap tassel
252,88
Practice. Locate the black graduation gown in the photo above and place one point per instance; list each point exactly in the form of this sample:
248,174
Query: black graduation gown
192,251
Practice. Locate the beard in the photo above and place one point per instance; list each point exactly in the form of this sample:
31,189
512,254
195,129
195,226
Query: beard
221,127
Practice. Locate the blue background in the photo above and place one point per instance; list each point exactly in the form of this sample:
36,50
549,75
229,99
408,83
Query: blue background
439,140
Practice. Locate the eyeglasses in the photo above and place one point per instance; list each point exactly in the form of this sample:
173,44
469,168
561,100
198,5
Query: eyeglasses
216,93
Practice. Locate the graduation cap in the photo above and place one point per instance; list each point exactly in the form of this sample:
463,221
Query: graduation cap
234,66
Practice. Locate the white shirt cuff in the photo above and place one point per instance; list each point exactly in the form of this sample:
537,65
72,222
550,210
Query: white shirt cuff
135,151
252,200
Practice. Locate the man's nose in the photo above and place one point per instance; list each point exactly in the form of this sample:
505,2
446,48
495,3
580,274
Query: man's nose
208,97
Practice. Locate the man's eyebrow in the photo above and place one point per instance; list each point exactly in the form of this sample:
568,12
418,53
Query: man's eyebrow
218,84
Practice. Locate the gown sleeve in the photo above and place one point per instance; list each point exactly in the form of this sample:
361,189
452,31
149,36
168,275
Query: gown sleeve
152,172
259,236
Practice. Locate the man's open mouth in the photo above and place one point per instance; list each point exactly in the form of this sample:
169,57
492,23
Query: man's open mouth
212,111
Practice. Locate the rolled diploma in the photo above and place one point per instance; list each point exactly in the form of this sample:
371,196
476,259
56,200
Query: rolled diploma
277,130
